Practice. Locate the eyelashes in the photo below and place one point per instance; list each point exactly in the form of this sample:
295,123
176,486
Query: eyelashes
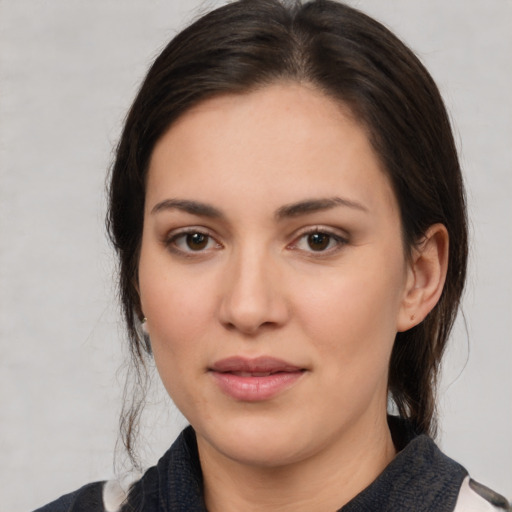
318,240
196,242
192,241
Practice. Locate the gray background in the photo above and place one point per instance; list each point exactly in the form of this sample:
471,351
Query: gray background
68,71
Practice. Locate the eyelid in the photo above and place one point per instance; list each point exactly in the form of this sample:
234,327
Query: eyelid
338,235
174,234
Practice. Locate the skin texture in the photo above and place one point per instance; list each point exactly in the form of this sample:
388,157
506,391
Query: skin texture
253,282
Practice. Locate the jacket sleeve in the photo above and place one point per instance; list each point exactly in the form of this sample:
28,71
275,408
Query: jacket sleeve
86,499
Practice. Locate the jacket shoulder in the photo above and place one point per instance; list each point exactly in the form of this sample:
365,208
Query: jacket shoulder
475,497
88,498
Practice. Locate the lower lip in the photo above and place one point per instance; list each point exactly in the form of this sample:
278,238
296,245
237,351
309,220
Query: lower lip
255,389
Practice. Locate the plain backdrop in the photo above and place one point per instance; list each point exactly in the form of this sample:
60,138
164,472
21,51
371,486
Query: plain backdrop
68,72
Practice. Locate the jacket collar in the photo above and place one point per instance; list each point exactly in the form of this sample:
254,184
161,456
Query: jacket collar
420,478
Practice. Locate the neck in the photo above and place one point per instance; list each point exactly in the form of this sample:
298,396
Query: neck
326,481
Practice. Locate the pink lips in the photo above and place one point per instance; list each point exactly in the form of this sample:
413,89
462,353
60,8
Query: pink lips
253,380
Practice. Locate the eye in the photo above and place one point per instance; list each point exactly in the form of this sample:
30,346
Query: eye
318,240
192,241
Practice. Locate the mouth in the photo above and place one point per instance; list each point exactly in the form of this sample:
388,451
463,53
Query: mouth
255,374
253,380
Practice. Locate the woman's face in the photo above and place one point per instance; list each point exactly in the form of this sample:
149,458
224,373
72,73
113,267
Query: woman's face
272,274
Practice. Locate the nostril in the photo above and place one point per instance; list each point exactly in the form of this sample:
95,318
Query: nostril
229,326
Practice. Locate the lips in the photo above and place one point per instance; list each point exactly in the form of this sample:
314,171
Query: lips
256,379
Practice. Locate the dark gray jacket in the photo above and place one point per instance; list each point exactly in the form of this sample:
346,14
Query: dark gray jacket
419,479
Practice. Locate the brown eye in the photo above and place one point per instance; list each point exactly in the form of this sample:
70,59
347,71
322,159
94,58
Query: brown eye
318,241
192,242
196,241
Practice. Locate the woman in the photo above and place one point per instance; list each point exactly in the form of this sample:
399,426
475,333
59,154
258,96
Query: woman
289,215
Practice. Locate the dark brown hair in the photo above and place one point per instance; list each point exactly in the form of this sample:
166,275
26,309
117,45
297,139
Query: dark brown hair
355,60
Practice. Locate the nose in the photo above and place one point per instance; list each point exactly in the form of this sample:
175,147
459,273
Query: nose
253,297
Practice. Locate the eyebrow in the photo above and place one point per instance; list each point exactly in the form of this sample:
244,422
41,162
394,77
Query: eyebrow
188,206
286,211
316,205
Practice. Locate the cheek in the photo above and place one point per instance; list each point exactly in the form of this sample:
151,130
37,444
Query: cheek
171,297
353,315
177,308
350,325
173,310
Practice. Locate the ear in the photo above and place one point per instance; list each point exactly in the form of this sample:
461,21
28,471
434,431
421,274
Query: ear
426,275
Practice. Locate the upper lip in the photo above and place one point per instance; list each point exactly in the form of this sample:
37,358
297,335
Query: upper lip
263,364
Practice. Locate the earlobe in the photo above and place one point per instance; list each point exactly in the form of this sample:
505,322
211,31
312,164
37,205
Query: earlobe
144,326
426,277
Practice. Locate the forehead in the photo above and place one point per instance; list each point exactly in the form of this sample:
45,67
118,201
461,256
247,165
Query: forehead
283,141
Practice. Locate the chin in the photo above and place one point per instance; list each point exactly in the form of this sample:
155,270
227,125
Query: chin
264,443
